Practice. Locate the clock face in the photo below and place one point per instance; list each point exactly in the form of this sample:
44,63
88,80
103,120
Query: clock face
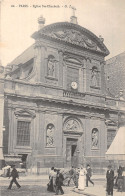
74,85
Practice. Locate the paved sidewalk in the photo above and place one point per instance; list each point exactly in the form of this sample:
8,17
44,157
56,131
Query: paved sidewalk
99,188
44,176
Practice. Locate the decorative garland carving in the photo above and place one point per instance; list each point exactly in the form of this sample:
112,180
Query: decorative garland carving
74,37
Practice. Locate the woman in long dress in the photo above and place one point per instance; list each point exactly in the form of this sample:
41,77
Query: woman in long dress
81,181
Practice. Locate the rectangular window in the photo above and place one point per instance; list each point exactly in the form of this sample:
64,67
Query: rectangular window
110,136
72,76
23,133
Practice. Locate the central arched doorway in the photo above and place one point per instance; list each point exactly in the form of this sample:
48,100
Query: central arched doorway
72,152
72,142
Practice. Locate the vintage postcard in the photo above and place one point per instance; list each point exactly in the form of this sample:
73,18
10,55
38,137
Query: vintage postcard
62,97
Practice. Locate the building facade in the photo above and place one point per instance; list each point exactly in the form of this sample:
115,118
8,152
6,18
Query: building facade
115,73
57,111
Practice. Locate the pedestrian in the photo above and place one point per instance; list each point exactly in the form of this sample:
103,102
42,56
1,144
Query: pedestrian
8,171
50,184
110,180
76,176
71,173
88,175
81,184
59,182
14,175
54,179
119,180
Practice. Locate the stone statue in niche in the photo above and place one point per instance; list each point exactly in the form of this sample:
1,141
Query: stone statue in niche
94,77
72,125
94,138
51,67
50,135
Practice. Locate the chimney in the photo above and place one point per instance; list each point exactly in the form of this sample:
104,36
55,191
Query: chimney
73,18
101,38
41,22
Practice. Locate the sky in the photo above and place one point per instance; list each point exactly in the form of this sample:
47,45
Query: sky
19,21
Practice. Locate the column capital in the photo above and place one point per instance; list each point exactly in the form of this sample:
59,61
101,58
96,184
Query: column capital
39,44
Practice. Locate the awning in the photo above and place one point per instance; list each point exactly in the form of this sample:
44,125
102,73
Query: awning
117,149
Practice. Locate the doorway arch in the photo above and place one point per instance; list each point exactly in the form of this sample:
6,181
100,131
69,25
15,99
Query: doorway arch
73,142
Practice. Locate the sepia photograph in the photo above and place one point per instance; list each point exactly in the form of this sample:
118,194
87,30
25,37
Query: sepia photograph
62,97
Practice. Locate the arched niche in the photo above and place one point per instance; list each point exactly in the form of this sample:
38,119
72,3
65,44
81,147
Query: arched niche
50,129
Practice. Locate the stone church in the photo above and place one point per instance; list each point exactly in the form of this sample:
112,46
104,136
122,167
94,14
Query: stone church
57,110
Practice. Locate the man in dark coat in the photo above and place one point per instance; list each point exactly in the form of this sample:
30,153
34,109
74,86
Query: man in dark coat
14,175
88,175
110,180
120,179
59,182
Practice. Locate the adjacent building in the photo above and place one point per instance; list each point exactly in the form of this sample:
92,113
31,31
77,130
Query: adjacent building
115,73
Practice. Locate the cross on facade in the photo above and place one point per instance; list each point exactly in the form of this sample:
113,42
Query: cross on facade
73,9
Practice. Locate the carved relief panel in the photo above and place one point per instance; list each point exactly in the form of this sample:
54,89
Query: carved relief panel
72,125
75,37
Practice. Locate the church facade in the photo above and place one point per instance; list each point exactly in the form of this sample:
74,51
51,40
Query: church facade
57,111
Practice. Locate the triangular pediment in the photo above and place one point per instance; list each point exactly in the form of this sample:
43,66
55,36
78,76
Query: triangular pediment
25,113
73,34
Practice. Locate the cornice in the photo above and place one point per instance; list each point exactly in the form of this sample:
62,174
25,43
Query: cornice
73,132
67,102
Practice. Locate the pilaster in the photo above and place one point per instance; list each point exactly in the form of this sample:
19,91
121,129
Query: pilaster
12,131
88,67
81,80
103,78
60,79
64,75
84,75
40,61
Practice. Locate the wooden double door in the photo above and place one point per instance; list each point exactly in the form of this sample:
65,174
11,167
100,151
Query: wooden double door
72,152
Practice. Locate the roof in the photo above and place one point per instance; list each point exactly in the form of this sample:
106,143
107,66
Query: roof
115,71
24,57
115,58
117,149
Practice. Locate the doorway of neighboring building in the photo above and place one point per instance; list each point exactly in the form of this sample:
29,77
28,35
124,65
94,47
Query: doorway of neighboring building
24,157
71,152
